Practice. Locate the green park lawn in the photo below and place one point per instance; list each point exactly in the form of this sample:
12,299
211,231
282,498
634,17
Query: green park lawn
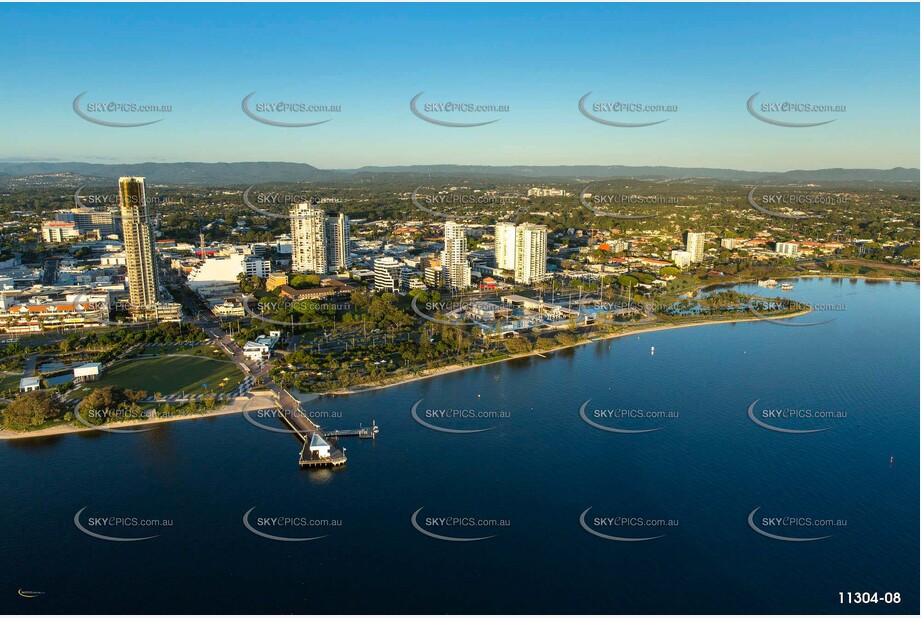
170,375
9,385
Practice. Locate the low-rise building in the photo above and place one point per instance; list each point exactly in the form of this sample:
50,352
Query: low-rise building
39,315
231,307
114,259
87,373
263,347
319,448
547,192
256,351
27,385
320,293
682,259
275,280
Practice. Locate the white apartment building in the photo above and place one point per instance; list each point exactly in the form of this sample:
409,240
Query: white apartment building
338,258
59,231
787,248
530,253
308,239
694,244
454,257
257,267
390,275
682,259
505,245
319,243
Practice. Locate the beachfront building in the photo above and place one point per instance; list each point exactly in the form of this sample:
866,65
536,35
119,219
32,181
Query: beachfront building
263,347
454,257
530,253
319,448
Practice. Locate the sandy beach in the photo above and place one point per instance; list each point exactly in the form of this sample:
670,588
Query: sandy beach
440,371
236,407
265,400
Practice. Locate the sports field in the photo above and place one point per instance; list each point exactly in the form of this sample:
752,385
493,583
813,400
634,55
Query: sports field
170,375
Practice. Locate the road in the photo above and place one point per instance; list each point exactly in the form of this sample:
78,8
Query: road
50,271
29,370
248,367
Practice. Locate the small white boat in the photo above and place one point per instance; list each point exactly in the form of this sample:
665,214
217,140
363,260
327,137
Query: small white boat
786,286
652,350
767,283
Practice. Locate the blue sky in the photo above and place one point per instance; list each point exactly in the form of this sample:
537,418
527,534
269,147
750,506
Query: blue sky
538,59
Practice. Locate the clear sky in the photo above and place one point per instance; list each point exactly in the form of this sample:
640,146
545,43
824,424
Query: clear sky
539,59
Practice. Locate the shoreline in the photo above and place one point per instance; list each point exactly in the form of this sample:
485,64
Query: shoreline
238,405
440,371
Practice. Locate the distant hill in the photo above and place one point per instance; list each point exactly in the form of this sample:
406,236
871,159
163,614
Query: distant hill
192,173
898,174
838,174
565,171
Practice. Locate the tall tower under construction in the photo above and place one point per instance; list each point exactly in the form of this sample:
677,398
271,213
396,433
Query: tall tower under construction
143,287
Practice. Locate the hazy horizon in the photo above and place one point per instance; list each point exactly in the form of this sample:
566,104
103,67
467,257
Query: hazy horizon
14,160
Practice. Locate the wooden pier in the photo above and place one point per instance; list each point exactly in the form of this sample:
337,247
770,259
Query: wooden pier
305,429
366,433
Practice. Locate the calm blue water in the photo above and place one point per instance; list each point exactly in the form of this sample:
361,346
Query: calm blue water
539,469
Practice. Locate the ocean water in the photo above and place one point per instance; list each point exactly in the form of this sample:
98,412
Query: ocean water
524,483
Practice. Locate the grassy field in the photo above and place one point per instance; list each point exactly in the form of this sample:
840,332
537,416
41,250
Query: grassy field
205,350
9,385
170,375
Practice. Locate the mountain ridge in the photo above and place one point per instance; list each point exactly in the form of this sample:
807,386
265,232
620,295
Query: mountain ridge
255,172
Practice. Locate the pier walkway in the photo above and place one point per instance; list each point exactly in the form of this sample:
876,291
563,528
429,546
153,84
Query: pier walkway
326,453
